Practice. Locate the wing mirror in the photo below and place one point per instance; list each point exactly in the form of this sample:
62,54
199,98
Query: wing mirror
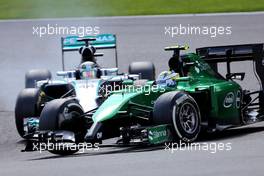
68,74
62,73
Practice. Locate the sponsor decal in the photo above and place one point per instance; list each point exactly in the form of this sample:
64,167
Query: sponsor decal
229,100
105,38
181,99
159,134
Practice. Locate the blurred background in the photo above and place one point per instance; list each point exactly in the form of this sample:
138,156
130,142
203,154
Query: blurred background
82,8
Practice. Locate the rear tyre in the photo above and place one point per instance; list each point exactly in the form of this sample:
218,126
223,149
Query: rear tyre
27,105
32,76
180,110
63,114
145,69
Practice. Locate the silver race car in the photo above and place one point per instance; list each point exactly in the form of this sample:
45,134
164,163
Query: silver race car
89,84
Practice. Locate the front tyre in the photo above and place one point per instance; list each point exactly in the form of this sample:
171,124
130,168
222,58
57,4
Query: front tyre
63,114
180,110
186,120
27,105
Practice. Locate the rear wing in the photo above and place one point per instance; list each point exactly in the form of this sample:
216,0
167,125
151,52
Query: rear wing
231,53
103,41
235,53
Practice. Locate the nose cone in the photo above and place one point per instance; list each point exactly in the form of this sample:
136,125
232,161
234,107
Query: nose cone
112,106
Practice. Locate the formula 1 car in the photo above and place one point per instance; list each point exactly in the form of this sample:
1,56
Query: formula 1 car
87,83
191,95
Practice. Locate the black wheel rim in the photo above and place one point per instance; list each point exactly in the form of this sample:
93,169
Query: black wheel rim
188,118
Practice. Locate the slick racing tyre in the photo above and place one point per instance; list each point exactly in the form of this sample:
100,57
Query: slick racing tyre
27,105
145,69
180,110
63,114
32,76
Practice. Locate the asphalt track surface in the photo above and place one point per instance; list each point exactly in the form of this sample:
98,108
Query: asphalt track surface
139,38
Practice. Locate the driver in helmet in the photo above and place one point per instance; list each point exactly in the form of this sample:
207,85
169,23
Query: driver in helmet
88,69
167,79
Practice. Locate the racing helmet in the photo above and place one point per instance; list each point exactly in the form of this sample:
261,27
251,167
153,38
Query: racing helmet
88,70
167,79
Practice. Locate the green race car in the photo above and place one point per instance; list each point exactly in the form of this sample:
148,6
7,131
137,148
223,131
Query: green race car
189,96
